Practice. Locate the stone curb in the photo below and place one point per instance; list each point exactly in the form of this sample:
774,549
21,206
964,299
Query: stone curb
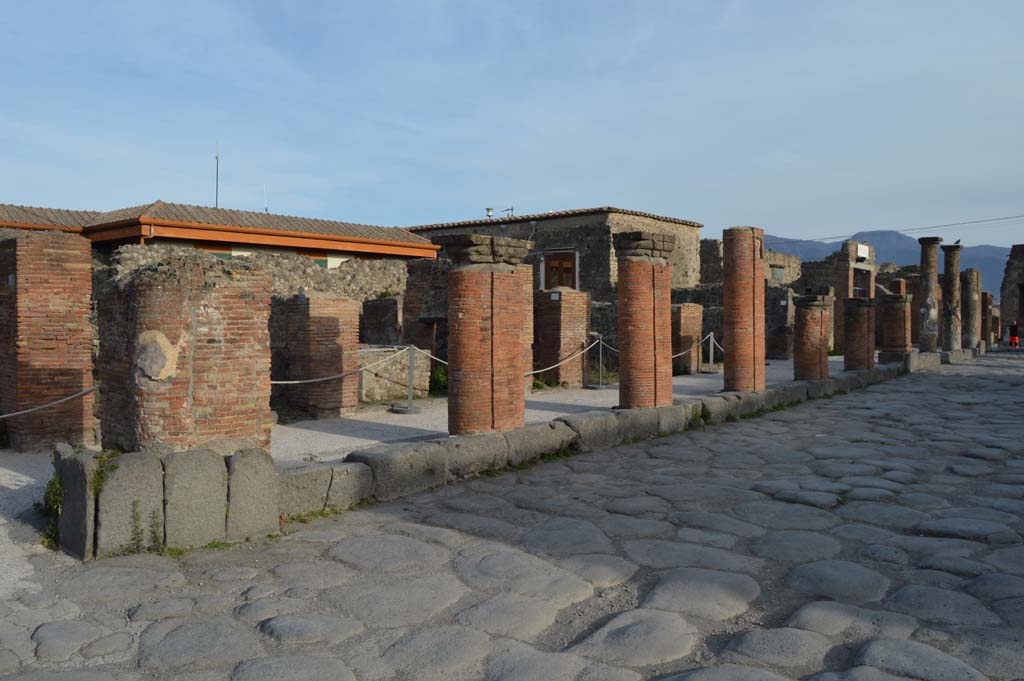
392,471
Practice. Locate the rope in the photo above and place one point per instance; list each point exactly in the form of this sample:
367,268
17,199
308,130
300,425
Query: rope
343,375
572,356
609,347
695,345
50,404
436,359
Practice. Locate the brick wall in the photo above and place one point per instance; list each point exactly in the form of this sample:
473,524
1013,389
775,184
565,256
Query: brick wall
1011,290
321,339
46,338
859,330
185,356
812,329
487,306
687,324
743,309
561,327
645,319
895,319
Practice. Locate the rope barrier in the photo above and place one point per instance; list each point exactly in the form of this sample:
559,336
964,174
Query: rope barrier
695,345
436,359
608,346
572,356
50,404
342,375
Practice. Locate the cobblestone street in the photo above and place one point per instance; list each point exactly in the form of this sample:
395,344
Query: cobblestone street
874,536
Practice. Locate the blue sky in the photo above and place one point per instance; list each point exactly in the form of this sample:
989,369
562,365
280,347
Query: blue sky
810,119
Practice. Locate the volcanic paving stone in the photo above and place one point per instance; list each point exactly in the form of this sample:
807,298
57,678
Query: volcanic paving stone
840,580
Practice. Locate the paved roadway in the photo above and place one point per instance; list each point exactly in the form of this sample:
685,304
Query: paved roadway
869,537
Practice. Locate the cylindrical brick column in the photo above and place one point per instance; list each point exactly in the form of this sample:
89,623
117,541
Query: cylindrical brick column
810,342
859,330
970,304
645,318
951,313
687,323
486,308
896,327
928,302
743,308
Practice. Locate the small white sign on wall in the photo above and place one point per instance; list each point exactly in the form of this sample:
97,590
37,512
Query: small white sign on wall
863,252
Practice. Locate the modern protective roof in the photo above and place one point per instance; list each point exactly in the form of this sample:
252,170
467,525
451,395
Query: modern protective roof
552,215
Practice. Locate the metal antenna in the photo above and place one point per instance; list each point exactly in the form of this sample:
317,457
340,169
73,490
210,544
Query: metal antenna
511,210
216,177
266,209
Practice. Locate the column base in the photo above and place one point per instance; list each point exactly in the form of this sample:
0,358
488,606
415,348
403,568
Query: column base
922,361
956,356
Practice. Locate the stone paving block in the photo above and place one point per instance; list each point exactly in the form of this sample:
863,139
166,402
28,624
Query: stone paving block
825,387
533,441
716,409
303,489
470,455
638,424
252,495
76,524
923,361
195,498
351,484
594,429
130,507
402,469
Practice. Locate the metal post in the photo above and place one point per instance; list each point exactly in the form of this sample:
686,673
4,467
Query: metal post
410,387
600,360
711,349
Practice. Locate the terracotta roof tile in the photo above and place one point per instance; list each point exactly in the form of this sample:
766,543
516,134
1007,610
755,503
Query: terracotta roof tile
551,215
53,217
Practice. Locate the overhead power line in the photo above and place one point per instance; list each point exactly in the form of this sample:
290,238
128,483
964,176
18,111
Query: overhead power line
927,228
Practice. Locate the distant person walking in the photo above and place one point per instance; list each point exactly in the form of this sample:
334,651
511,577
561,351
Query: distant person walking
1014,336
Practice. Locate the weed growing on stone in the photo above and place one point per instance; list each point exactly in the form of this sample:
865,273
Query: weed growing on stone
105,465
439,381
216,544
156,534
50,508
137,545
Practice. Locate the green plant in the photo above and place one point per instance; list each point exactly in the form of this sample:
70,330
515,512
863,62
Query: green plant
50,508
539,384
137,545
105,465
156,532
439,381
386,293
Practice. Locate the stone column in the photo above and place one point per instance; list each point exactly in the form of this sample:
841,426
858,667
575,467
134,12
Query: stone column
687,323
562,323
486,308
970,304
743,294
896,327
928,305
986,318
810,343
951,313
645,322
859,329
914,291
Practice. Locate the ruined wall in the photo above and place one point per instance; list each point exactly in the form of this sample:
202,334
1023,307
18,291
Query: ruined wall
711,261
46,339
783,268
184,354
684,259
359,278
1011,293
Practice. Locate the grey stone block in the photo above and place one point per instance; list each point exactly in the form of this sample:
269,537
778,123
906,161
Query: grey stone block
748,403
351,484
637,424
303,489
892,357
675,418
595,429
954,356
195,498
131,501
791,393
252,495
845,382
76,524
60,451
403,469
717,408
473,454
923,361
532,442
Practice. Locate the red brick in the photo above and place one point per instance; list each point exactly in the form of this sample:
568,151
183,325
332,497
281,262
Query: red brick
743,295
562,324
812,329
859,330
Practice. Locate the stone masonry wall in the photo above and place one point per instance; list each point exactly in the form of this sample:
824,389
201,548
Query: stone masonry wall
184,354
1011,292
46,338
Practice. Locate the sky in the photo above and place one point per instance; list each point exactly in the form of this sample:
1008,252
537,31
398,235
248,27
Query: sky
809,119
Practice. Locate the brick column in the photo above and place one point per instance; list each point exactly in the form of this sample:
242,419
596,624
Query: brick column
811,334
562,324
896,322
46,338
928,301
185,357
859,328
687,324
970,305
951,312
322,340
645,318
486,308
524,273
986,318
743,294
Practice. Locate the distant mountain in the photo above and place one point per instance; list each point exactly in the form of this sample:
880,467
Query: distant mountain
902,249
